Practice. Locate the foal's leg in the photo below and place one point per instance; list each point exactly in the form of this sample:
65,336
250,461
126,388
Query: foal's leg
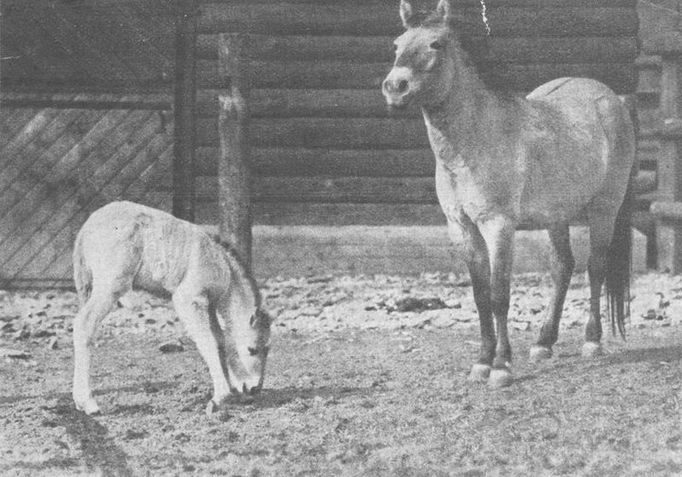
192,307
498,233
89,316
562,268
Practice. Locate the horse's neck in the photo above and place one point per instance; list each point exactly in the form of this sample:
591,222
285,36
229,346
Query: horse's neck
468,122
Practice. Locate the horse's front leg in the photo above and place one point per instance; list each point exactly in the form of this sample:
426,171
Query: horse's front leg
472,248
562,265
498,233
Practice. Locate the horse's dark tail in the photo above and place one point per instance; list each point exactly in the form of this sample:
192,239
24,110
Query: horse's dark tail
618,264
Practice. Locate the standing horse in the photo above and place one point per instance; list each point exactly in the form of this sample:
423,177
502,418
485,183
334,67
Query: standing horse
567,148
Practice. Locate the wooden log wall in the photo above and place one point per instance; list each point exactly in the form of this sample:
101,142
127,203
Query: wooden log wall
323,150
58,165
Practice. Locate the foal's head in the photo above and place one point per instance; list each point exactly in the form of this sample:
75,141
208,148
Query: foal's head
246,328
437,51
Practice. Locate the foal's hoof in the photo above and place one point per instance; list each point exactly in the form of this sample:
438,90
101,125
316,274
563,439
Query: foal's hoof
500,378
592,349
540,353
212,408
479,373
88,406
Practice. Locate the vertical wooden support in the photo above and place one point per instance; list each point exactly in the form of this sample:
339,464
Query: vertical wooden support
669,173
234,169
184,109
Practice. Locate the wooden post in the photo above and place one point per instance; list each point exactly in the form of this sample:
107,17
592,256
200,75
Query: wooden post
234,168
184,105
669,173
668,198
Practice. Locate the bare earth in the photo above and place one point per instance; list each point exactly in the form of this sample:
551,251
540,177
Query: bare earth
362,380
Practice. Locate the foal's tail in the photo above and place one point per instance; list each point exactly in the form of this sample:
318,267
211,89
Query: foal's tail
82,276
618,263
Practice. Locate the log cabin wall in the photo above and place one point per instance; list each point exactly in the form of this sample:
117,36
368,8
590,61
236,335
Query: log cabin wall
85,118
324,150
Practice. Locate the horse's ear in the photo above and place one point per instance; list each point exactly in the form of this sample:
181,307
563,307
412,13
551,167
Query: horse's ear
443,9
406,12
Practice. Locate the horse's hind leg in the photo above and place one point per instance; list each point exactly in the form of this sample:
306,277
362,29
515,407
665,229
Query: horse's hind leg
96,307
562,265
601,222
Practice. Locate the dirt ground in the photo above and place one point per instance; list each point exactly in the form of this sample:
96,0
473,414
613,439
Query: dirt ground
367,376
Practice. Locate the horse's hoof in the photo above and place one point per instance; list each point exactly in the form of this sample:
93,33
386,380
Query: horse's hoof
592,349
500,378
88,406
212,408
540,353
479,373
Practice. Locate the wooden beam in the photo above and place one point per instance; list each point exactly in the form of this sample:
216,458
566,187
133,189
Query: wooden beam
381,18
234,175
185,99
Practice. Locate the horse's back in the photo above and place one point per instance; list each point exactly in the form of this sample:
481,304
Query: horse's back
579,145
591,110
149,247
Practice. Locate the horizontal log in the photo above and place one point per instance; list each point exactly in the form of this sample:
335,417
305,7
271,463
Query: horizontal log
666,43
359,190
622,77
297,213
286,103
379,49
360,133
368,163
345,103
151,101
73,83
338,215
456,3
671,129
667,210
328,162
381,18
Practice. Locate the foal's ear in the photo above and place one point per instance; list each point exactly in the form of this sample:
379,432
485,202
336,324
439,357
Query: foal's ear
406,12
443,9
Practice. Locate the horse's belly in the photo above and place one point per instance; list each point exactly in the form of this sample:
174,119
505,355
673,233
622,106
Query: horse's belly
559,198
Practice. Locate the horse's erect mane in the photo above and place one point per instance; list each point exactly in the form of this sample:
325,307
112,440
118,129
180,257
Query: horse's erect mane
234,257
474,42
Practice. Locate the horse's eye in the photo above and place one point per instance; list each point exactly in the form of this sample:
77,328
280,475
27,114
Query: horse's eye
395,47
436,45
253,351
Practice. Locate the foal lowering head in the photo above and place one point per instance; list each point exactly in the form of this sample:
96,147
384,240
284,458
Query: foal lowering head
245,329
433,55
125,246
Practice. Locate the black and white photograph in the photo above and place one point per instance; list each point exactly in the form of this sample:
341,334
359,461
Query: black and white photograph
410,238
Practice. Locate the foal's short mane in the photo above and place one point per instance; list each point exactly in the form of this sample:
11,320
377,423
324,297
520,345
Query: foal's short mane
474,42
238,262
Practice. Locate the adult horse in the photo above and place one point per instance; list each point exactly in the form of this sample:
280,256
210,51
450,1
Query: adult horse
566,148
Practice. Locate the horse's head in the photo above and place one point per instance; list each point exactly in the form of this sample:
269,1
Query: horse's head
424,67
246,328
438,52
246,358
